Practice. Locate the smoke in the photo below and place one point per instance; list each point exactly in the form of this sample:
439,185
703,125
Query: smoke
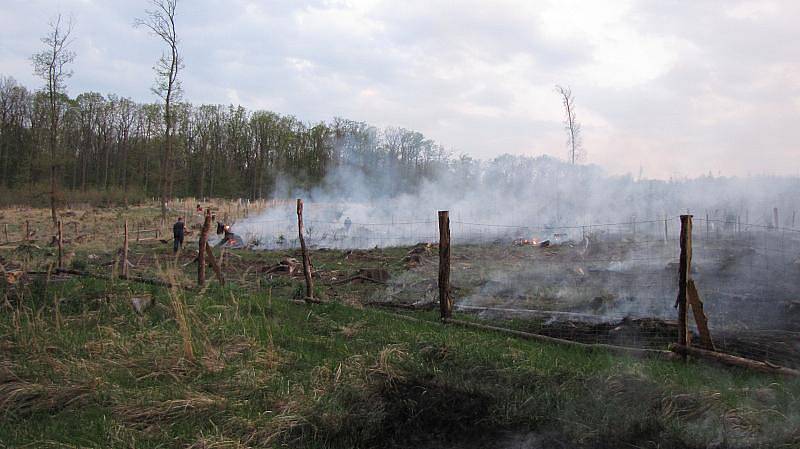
613,239
508,197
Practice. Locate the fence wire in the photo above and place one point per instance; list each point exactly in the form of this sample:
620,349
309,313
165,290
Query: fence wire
616,283
748,277
606,282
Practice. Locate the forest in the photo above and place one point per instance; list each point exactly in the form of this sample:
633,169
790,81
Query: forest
113,144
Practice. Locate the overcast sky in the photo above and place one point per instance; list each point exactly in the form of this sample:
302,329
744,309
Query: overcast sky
671,88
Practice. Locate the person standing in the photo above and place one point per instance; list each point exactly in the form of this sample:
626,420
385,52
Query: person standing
178,230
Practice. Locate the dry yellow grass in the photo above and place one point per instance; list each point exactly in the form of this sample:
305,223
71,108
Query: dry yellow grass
155,413
21,398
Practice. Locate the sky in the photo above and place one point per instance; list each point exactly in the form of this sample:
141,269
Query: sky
663,88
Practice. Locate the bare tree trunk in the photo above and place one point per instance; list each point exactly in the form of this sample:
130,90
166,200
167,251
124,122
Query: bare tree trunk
125,173
53,213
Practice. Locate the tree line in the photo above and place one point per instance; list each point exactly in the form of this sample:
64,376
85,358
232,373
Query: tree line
108,142
172,148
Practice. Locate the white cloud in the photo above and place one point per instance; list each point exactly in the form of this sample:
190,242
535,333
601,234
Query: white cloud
672,86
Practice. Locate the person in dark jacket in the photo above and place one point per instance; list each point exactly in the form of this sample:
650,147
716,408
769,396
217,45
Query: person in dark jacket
178,230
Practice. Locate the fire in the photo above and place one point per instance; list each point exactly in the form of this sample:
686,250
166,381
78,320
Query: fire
524,242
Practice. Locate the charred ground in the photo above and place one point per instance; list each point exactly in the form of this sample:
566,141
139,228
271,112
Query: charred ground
244,366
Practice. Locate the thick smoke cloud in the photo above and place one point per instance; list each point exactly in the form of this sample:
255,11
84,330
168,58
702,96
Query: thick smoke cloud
504,196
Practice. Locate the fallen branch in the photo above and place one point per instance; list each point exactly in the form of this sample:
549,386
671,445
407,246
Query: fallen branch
396,305
306,301
107,278
357,277
621,350
732,360
543,313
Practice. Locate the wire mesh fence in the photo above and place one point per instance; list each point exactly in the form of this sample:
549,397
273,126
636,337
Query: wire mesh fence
747,275
611,283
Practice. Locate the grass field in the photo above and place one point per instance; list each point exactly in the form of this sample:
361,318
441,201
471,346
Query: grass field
246,366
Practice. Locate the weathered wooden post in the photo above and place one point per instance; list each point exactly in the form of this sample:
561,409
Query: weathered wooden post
775,217
138,231
700,317
708,227
666,234
60,246
685,266
5,230
201,249
445,301
124,270
217,267
27,230
306,261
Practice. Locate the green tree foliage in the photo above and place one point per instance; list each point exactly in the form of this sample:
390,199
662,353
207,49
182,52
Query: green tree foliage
108,142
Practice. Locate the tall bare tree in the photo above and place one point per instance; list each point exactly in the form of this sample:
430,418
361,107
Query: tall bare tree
51,65
161,22
571,125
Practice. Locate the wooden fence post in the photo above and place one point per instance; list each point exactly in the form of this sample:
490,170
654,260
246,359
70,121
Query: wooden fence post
138,231
306,261
708,227
60,246
201,250
700,317
217,267
775,217
5,229
125,252
685,267
27,230
666,234
445,300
